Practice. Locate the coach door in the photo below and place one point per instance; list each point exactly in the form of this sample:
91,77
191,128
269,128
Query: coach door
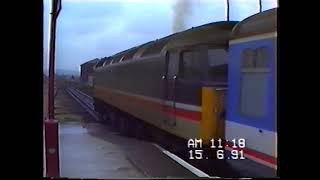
169,80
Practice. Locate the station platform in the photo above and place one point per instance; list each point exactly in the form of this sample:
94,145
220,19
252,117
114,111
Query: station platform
85,156
90,150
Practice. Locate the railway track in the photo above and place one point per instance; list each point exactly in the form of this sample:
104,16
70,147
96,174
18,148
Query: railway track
84,100
87,103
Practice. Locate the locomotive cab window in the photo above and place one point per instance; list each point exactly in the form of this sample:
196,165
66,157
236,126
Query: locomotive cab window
189,66
217,59
254,77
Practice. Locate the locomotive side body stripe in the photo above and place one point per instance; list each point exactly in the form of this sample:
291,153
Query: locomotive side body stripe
188,107
267,139
186,111
182,123
262,151
257,157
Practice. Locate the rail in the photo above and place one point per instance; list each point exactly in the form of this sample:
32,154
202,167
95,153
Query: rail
84,100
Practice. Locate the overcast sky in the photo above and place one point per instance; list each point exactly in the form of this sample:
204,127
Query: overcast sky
88,29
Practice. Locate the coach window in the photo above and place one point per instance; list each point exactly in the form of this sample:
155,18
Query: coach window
247,58
217,59
261,58
189,66
254,74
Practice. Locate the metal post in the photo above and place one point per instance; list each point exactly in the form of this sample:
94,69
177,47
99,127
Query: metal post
50,124
52,63
260,6
228,10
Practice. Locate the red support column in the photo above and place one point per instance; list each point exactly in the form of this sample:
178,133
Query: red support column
51,125
52,148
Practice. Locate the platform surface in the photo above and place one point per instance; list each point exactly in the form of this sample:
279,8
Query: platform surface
85,156
92,151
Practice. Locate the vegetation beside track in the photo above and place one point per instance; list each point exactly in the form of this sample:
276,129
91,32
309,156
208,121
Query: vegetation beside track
66,109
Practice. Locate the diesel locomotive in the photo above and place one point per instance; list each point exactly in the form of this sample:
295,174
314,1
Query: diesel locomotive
215,81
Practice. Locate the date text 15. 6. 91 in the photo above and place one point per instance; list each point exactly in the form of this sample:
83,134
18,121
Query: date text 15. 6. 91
236,147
